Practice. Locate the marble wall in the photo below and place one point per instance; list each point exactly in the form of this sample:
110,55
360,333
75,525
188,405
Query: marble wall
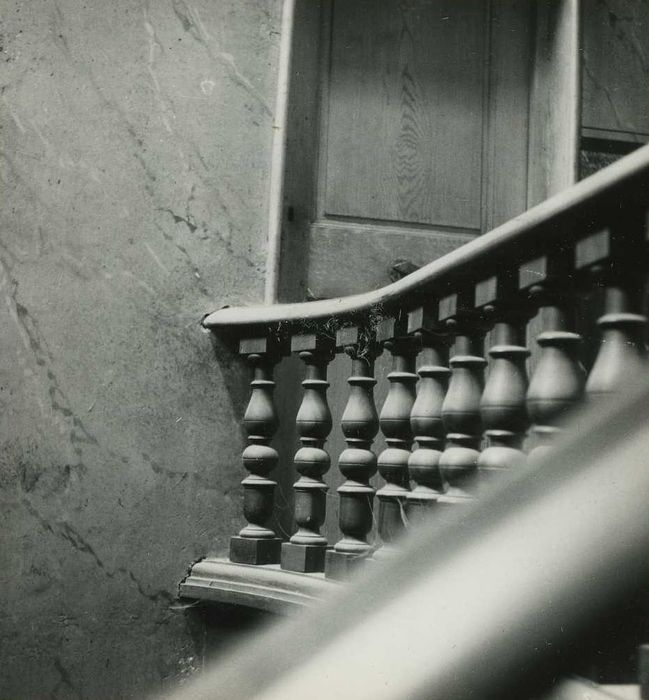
616,68
135,159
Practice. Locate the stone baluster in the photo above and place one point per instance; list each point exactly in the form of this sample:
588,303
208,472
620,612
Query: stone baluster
502,407
305,552
357,462
557,382
461,408
612,261
256,542
426,416
394,420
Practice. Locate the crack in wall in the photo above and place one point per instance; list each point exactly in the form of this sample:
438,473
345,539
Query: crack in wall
189,220
625,29
65,531
59,402
181,219
197,478
609,98
35,342
196,272
630,23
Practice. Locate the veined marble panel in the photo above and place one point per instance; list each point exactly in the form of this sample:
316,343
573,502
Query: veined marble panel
135,162
616,65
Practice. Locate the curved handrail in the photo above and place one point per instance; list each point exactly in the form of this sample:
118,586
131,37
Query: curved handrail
522,238
476,600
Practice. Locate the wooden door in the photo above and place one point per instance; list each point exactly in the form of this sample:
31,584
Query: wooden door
415,141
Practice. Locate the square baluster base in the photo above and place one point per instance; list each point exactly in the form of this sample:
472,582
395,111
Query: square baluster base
244,550
303,558
340,565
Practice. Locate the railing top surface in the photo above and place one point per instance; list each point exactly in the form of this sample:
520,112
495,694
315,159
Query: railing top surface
531,234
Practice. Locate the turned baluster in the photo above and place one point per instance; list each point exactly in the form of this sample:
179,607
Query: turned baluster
256,542
305,552
357,462
622,353
612,260
426,416
557,382
461,407
394,420
502,407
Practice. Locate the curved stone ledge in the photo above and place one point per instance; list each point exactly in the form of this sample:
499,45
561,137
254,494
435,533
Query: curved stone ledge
262,587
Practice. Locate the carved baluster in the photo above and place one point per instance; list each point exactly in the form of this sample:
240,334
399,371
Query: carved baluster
622,353
557,382
257,543
502,407
461,408
426,416
357,462
306,550
395,425
612,260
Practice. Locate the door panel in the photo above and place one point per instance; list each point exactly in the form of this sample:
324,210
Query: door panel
404,135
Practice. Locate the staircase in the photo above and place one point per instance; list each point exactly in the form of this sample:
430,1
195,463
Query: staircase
480,413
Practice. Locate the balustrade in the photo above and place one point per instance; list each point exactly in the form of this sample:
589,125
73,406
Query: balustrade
357,462
464,424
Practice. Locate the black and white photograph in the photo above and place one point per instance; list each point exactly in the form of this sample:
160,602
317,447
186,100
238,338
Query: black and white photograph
324,366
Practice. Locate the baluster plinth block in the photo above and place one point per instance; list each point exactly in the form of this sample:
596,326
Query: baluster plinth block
248,550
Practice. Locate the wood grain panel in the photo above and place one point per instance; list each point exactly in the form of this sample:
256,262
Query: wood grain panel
506,136
405,116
